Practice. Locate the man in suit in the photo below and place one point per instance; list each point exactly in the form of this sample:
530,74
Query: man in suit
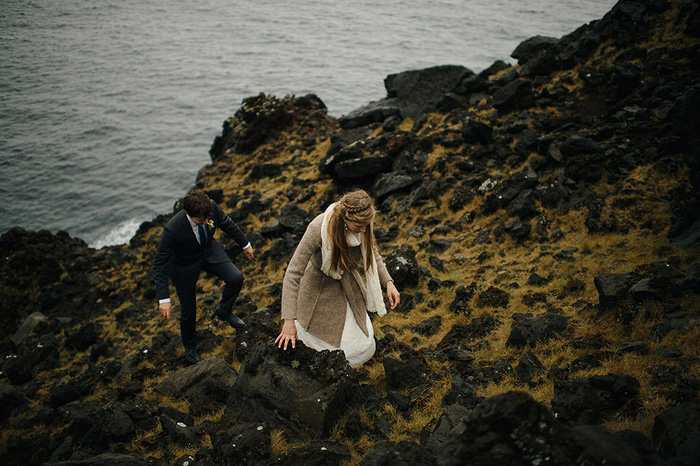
187,247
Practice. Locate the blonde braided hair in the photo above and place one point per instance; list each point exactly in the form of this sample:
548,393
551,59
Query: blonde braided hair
355,206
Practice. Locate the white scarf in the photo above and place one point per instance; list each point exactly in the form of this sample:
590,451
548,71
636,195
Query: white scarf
375,300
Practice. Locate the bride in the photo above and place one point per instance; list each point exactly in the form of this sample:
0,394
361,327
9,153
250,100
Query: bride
334,279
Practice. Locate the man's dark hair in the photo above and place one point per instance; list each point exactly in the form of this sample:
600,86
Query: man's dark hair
197,204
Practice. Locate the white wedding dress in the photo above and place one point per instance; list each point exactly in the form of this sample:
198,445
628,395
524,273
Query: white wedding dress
357,346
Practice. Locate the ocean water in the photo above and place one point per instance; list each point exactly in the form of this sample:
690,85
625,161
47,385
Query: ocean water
108,109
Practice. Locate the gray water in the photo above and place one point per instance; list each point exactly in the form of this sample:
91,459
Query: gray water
108,108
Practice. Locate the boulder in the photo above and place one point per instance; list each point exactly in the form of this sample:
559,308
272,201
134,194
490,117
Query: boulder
81,416
613,289
518,230
260,119
523,206
403,267
476,329
592,400
117,427
530,48
451,417
243,443
475,131
293,219
460,303
388,183
676,434
28,325
374,112
513,429
300,383
192,380
461,393
509,190
536,280
529,330
404,374
493,297
361,169
418,91
577,145
429,326
528,367
514,96
85,337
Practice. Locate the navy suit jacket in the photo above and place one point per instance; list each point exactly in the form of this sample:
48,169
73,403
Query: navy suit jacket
180,256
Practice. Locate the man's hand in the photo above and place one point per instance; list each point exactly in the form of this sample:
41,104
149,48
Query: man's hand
287,335
165,309
249,252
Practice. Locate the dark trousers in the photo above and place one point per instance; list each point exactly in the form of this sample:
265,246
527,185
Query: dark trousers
187,293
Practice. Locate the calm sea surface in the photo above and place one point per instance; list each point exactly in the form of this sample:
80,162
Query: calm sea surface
108,109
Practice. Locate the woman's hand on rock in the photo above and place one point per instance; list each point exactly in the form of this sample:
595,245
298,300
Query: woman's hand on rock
287,335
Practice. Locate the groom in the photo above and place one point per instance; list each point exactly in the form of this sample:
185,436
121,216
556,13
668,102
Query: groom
187,247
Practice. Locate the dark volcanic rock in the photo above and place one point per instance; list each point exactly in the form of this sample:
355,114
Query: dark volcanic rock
463,296
429,326
475,131
613,289
364,168
274,386
530,48
529,330
243,443
403,267
388,183
85,337
478,328
451,417
260,119
592,400
193,380
417,91
676,433
514,96
461,393
46,273
518,230
528,367
493,297
374,112
404,374
514,429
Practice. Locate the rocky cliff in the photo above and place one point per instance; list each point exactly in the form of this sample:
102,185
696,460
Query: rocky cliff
541,220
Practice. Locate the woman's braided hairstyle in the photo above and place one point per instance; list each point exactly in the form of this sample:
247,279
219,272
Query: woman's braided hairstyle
355,206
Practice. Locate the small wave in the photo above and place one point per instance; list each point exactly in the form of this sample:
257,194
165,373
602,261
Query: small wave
121,234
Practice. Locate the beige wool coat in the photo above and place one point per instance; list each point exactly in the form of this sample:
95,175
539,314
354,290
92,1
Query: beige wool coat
318,301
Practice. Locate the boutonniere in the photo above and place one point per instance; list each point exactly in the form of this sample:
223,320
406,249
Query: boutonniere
210,224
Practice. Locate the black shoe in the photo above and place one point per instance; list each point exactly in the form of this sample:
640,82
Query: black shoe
192,355
233,320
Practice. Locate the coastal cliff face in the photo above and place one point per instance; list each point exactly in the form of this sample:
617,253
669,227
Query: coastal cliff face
542,222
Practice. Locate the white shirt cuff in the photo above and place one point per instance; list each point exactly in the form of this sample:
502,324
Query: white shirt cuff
166,300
